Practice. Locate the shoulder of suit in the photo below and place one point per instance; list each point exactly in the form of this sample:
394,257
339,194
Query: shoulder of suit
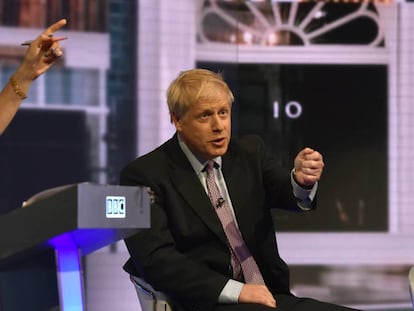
248,142
154,158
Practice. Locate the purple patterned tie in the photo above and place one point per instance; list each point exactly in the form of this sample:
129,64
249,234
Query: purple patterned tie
241,255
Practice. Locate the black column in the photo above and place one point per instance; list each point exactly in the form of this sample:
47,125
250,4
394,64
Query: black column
121,137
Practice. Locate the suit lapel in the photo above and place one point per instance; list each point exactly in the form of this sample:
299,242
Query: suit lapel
234,176
190,188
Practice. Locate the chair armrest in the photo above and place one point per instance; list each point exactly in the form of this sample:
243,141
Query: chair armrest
149,298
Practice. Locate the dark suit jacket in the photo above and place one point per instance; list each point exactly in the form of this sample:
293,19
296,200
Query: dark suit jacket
185,253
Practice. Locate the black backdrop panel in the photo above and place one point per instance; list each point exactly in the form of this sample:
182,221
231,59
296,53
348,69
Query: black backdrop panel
339,110
41,149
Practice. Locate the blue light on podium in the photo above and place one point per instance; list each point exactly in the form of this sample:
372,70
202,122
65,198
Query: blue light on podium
71,284
69,263
70,280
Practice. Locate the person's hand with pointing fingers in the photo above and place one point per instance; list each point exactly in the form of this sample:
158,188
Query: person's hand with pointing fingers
42,52
40,56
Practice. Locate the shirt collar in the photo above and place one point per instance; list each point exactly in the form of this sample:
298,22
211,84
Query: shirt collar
197,163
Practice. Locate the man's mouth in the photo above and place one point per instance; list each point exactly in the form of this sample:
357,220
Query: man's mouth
218,140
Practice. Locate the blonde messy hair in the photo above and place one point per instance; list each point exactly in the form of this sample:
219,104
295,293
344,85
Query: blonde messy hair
195,86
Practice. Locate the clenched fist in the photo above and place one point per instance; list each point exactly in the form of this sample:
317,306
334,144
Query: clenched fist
308,167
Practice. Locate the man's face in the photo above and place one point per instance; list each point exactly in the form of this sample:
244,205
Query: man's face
205,128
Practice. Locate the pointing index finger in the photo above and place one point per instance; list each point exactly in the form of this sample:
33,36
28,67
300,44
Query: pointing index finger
56,26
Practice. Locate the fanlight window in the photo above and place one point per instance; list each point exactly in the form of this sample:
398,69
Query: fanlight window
271,23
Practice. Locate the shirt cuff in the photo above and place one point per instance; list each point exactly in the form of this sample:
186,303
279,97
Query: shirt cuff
304,196
231,292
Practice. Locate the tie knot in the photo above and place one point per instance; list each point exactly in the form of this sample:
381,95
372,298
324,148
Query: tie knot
210,166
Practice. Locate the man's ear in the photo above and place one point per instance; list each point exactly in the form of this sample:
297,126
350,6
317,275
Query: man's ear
176,121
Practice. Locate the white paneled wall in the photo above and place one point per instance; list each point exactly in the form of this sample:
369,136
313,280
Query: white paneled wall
406,124
167,32
108,287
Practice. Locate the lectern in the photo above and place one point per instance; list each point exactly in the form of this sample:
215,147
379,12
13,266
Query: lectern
73,220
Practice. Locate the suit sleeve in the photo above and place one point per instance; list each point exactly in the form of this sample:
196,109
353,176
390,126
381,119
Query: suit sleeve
278,183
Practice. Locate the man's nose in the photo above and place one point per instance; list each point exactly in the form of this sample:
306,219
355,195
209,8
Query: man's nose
217,122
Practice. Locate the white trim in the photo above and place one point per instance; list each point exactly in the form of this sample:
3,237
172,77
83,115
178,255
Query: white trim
329,54
64,107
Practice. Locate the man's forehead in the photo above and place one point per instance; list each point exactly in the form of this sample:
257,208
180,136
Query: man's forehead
219,103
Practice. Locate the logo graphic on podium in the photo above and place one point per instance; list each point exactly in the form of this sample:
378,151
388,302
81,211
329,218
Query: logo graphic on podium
115,207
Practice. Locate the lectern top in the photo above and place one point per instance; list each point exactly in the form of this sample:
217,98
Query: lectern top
87,216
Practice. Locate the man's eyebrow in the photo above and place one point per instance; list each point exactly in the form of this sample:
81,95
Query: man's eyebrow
207,110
